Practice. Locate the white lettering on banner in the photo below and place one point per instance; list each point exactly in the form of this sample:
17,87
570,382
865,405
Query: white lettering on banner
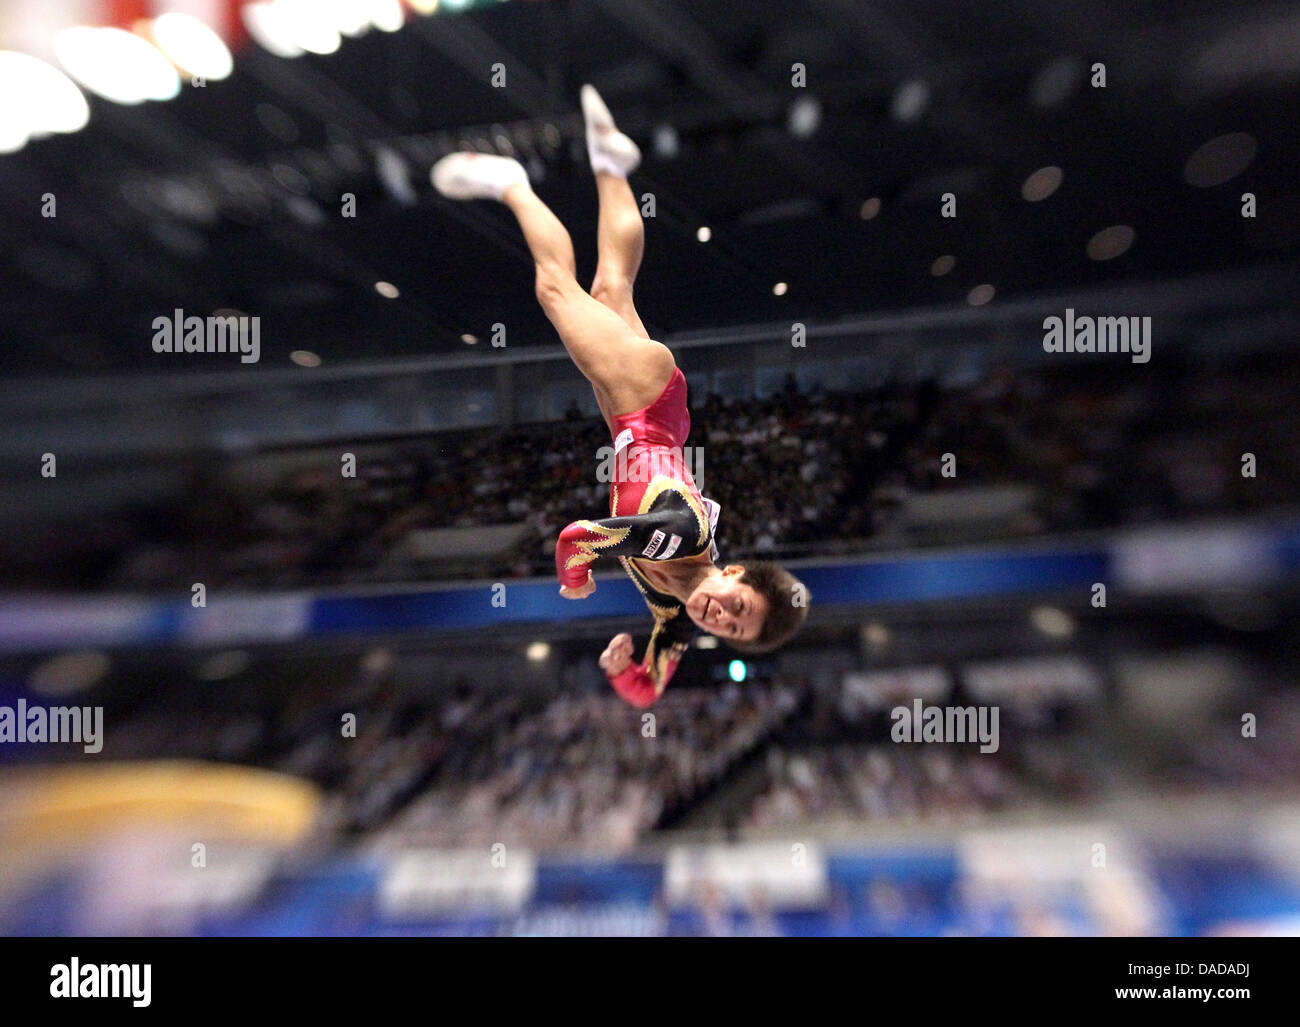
1181,558
248,618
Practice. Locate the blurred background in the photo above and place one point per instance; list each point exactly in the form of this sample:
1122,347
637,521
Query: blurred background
377,717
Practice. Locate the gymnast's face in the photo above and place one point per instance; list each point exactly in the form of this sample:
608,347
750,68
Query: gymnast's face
722,606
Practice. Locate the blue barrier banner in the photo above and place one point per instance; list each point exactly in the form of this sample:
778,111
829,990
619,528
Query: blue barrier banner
897,891
1142,562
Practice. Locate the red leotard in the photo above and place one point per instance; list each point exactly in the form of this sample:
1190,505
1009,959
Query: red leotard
658,513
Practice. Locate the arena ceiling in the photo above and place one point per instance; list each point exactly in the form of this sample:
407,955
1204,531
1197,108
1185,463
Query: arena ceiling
229,196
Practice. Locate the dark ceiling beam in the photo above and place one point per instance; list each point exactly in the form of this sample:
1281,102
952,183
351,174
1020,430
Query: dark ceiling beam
905,54
883,41
474,51
462,41
162,140
312,91
679,39
1272,287
94,219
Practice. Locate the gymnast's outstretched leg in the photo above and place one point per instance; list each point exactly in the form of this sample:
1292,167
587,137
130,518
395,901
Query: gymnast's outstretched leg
604,337
620,233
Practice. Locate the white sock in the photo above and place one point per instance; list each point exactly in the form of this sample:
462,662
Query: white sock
604,162
608,149
466,176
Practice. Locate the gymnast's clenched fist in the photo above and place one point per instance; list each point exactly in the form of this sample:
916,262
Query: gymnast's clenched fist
582,591
617,655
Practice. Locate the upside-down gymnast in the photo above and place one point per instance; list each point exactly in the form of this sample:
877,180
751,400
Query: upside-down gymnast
661,528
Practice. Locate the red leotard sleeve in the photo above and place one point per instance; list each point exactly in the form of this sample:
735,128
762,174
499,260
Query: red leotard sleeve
582,542
577,548
636,686
642,683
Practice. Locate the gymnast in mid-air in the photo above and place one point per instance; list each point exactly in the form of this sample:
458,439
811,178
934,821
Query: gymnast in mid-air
660,527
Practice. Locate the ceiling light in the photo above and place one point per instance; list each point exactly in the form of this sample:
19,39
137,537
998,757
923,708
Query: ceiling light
288,27
68,673
223,665
192,46
351,17
876,635
1111,242
116,64
1042,183
310,25
1222,158
666,142
1055,81
805,117
270,29
1051,621
13,129
910,101
36,97
386,15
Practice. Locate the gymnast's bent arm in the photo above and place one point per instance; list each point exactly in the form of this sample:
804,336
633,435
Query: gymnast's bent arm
642,683
583,542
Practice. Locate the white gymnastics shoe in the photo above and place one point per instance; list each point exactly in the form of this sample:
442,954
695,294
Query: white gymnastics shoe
608,149
476,176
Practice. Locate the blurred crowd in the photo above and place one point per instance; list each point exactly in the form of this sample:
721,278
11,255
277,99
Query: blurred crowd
464,766
937,784
796,473
941,785
583,772
1102,450
474,769
1261,759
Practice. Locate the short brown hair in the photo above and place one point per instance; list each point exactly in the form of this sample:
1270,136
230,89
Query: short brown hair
787,605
